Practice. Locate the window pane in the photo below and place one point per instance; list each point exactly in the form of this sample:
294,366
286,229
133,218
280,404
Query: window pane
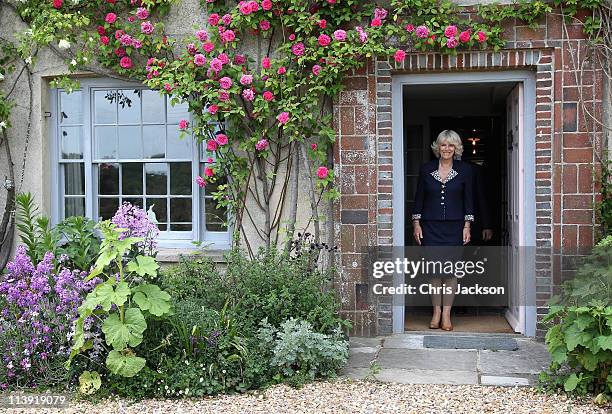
70,142
180,209
74,207
180,227
134,201
157,178
106,142
74,179
130,144
159,208
105,107
177,147
131,178
180,178
154,139
214,217
71,108
128,106
152,107
107,207
177,112
108,178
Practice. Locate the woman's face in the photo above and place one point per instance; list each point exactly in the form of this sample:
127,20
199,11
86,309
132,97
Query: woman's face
447,150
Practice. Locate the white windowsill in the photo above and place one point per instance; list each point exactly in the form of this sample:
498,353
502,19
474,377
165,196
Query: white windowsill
171,254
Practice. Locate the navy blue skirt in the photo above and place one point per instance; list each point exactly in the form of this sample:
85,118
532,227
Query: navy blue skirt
442,232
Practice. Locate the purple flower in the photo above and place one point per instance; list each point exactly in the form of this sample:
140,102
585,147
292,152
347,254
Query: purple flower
136,223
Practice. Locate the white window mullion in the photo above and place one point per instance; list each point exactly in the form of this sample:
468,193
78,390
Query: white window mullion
90,190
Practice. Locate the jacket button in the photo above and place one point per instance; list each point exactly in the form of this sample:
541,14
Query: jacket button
442,197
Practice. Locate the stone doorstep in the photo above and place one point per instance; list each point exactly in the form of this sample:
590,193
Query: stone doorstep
499,381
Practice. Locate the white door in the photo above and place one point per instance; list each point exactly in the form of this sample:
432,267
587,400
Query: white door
515,173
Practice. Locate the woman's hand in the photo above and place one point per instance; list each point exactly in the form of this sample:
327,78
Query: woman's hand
417,232
466,234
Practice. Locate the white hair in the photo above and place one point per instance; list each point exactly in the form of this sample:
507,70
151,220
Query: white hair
450,137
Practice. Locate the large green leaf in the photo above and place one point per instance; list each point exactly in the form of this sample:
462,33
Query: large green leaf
144,265
151,298
129,332
571,383
89,382
575,336
108,295
605,342
124,363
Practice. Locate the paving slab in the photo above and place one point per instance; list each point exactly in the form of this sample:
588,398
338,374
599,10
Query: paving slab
531,358
427,376
503,381
428,359
360,359
355,372
361,342
404,341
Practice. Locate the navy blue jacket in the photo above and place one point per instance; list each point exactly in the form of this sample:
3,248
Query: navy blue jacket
452,199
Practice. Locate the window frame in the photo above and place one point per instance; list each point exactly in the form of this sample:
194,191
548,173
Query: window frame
176,239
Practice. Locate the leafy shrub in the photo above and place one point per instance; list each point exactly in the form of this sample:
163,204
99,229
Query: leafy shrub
302,354
37,307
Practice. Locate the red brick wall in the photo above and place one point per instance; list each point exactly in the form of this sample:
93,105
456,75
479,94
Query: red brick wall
568,143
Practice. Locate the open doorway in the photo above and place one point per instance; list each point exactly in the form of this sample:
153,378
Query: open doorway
479,114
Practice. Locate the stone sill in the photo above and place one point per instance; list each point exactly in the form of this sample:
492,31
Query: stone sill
171,255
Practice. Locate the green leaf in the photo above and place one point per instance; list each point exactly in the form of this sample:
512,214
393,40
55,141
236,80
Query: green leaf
151,298
571,383
144,265
107,295
129,332
89,382
605,342
124,363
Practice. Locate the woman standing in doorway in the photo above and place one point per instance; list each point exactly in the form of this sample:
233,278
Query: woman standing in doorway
443,213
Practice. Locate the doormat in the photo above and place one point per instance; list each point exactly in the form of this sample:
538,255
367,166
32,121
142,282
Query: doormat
470,342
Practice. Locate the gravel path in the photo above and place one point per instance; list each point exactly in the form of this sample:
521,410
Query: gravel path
346,396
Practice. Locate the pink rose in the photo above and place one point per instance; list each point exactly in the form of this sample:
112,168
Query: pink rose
266,4
191,49
322,172
253,5
248,94
208,47
209,160
211,145
265,63
126,40
110,18
363,36
316,69
168,87
183,124
200,181
202,35
380,13
283,118
142,13
125,62
239,59
212,109
136,43
261,145
422,31
131,19
281,70
322,23
452,42
120,52
292,37
208,171
199,59
399,56
340,35
228,36
221,139
118,34
224,96
465,36
246,79
216,65
104,40
226,19
146,27
313,147
224,58
331,1
410,28
324,40
268,96
450,31
298,49
245,9
264,25
225,82
481,36
376,22
213,19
